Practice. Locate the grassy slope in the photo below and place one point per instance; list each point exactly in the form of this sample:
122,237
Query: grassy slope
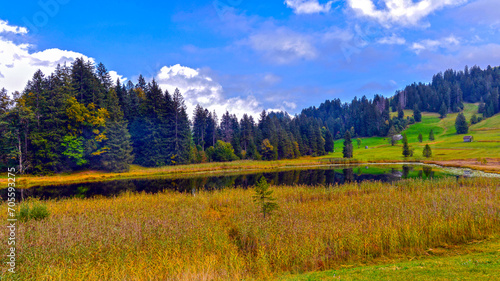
446,146
479,261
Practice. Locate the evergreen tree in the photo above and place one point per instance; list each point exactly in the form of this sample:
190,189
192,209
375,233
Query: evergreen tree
420,138
427,151
348,150
431,135
329,142
461,124
417,114
391,134
118,147
406,148
401,113
443,110
358,140
200,126
263,197
473,119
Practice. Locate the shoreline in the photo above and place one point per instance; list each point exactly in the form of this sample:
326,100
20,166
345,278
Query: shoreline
245,166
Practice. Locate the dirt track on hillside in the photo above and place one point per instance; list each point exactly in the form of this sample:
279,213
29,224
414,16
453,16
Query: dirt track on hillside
491,165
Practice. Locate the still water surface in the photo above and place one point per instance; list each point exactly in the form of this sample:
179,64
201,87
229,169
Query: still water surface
326,176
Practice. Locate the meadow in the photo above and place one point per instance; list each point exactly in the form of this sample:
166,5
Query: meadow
222,235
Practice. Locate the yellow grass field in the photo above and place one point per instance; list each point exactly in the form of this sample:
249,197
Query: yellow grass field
222,235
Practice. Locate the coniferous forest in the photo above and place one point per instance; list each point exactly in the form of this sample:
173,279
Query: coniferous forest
78,118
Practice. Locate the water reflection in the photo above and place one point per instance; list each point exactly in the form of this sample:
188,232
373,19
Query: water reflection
311,177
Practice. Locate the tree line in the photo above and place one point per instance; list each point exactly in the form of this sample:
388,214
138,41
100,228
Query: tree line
78,118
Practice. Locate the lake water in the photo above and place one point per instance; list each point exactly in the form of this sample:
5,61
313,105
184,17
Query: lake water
329,175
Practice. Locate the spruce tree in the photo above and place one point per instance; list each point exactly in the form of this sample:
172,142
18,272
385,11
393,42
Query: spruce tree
443,110
461,124
417,114
348,150
427,151
431,135
420,138
329,142
118,147
406,148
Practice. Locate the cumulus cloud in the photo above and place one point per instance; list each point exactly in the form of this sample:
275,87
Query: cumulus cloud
18,62
283,46
197,87
400,12
6,28
308,6
431,45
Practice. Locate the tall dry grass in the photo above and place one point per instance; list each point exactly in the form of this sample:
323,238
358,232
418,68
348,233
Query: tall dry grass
221,235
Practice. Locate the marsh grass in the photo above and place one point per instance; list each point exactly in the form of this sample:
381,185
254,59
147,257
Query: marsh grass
32,210
220,235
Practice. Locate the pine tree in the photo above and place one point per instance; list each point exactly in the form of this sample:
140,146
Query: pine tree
461,124
329,142
443,110
420,138
118,147
473,119
417,114
118,156
263,197
348,150
431,135
406,148
401,113
427,151
391,134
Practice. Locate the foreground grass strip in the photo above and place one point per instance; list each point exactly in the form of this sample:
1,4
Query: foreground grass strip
478,262
222,235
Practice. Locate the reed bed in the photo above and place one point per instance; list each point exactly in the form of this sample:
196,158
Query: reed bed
222,236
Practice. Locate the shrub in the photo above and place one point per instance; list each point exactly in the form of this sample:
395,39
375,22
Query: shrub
34,209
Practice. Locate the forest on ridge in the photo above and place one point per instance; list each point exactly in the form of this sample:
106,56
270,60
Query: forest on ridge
78,118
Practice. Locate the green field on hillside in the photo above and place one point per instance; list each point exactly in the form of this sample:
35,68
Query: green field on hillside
446,146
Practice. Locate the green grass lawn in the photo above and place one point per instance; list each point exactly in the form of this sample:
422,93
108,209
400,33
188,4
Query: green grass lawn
446,146
473,262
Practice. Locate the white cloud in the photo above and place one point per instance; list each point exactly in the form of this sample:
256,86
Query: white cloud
283,46
18,62
290,105
115,76
432,45
392,40
6,28
197,87
308,6
400,12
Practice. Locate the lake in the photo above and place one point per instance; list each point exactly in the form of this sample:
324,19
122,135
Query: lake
324,175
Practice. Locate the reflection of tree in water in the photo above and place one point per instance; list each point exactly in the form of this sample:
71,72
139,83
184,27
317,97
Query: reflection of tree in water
192,185
406,171
348,175
428,171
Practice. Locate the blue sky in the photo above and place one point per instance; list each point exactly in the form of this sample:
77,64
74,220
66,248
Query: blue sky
245,56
